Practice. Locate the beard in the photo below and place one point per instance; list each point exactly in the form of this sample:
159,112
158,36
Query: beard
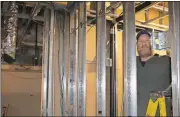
145,52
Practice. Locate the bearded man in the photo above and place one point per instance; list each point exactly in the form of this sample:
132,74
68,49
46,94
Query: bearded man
153,72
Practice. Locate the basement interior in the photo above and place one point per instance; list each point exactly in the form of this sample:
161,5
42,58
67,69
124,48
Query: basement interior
87,58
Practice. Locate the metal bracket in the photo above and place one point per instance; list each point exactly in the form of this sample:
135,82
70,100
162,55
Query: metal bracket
108,62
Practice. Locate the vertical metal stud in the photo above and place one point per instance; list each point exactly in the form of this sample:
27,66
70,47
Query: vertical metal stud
130,75
48,82
76,25
45,62
67,61
113,107
101,59
174,29
61,63
82,60
50,68
72,83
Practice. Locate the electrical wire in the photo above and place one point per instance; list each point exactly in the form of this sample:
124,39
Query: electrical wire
88,23
100,16
93,20
89,28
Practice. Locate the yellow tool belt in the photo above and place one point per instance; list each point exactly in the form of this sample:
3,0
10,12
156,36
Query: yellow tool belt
156,98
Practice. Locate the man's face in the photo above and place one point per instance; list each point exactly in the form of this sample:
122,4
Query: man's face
144,46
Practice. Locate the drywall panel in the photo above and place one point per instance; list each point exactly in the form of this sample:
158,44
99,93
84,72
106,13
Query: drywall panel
22,91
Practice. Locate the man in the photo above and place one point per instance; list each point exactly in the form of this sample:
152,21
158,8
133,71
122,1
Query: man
153,72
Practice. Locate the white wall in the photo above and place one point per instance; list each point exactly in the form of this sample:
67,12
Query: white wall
22,91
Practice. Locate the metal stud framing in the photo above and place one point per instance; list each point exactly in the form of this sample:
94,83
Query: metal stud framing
72,82
130,77
51,68
47,104
82,60
101,59
74,67
61,62
113,100
45,62
67,61
174,27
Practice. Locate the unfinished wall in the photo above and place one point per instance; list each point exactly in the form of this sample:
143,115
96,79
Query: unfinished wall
91,72
17,87
22,91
